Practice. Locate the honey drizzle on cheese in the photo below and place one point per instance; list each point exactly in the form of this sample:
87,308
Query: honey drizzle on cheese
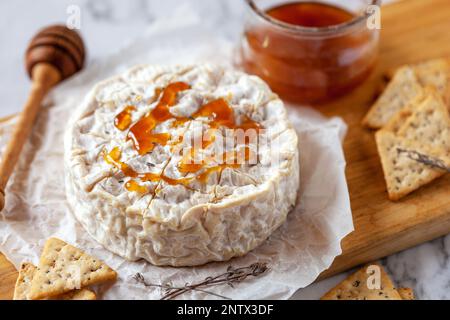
123,120
141,133
133,186
113,158
218,112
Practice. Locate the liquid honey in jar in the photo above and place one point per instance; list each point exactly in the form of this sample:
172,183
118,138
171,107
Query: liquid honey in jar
308,52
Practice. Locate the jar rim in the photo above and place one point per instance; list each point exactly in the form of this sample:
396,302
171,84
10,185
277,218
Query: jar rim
342,27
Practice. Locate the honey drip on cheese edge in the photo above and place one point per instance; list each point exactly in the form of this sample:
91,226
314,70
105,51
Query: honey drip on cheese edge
144,139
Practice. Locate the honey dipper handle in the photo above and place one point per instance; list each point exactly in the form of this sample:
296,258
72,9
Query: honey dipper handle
44,76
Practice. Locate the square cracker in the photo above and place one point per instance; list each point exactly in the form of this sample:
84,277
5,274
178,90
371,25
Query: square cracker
63,268
400,91
406,293
402,174
23,285
355,287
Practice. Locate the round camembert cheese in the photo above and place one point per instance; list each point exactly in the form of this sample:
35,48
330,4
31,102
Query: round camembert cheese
181,165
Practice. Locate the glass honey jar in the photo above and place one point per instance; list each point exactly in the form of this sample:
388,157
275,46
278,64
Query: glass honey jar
310,51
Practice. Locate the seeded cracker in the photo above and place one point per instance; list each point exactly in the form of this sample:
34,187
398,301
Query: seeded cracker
400,91
422,126
23,285
402,174
435,73
428,127
63,268
396,122
406,293
355,287
23,282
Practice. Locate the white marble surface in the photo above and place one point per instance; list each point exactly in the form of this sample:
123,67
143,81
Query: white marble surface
108,25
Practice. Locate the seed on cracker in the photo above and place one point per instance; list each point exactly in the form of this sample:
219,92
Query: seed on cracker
23,285
364,285
406,293
400,91
63,268
402,174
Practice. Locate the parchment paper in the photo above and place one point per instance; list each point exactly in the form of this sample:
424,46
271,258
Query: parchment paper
297,252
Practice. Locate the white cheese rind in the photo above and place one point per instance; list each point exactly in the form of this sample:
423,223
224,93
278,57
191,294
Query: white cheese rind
229,216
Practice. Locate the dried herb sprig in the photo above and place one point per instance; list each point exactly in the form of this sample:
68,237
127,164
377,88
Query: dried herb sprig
231,277
424,159
168,288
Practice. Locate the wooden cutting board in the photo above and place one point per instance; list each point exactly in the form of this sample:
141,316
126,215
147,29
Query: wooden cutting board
412,30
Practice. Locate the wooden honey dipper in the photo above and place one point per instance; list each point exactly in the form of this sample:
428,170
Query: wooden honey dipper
54,54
